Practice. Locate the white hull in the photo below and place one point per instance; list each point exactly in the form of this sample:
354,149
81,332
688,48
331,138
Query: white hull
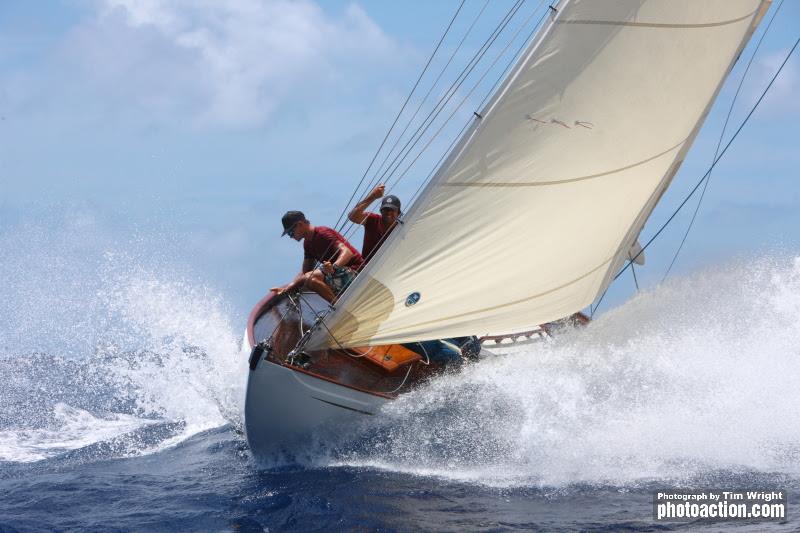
288,407
285,407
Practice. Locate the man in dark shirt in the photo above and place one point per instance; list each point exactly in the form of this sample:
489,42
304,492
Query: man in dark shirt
339,260
376,227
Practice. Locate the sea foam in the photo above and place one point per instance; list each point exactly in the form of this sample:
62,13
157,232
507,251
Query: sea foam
694,376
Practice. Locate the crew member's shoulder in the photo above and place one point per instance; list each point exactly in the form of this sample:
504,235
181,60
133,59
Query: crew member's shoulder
328,232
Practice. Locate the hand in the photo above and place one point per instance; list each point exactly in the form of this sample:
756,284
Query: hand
327,267
378,192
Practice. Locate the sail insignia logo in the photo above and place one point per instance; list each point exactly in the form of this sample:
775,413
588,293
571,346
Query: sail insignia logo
412,299
581,123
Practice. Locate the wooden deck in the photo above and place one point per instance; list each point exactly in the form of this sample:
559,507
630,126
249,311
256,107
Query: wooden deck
283,320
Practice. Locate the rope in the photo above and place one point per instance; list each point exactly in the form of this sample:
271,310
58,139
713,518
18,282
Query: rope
427,357
708,172
408,373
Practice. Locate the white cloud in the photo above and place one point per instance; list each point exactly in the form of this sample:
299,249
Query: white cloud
221,63
788,82
781,100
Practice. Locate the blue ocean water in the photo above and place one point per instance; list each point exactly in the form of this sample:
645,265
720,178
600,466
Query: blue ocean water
123,383
210,482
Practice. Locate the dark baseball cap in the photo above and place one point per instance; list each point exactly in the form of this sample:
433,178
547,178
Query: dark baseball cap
290,219
390,202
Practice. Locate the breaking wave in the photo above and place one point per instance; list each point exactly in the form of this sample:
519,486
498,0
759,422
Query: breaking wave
102,343
694,377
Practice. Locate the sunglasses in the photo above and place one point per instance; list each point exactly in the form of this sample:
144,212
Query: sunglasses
290,231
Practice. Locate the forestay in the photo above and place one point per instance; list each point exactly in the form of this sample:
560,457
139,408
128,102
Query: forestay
538,206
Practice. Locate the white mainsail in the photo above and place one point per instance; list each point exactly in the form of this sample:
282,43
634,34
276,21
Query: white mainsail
538,206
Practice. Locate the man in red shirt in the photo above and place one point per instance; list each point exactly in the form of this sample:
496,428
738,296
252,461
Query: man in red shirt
376,227
339,260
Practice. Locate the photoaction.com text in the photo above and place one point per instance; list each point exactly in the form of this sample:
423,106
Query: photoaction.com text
719,504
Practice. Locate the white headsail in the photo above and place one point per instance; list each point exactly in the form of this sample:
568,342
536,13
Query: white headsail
538,206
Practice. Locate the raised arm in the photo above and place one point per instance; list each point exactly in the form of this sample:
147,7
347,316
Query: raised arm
357,214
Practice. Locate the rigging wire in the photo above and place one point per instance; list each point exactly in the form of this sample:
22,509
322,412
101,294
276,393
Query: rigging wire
480,106
358,356
451,91
463,101
341,224
516,54
501,76
439,162
433,86
635,281
476,59
705,176
283,316
483,101
719,143
443,101
299,312
430,59
320,320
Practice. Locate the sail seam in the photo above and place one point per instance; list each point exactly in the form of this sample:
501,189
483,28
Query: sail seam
515,302
558,182
655,24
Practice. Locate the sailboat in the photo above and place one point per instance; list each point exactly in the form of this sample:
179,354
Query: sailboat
526,220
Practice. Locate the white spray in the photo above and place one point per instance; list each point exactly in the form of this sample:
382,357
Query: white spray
694,376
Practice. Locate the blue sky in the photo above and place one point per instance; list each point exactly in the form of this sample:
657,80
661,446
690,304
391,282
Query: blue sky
185,129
